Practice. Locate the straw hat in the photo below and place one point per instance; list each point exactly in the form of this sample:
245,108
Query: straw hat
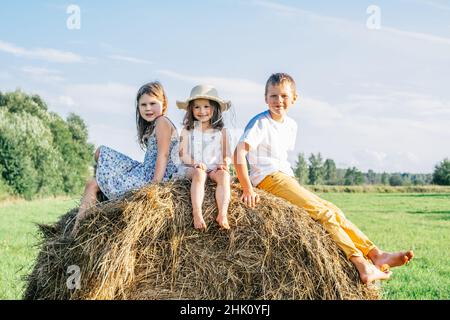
204,92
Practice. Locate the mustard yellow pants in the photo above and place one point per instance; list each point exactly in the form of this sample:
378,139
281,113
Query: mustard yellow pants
348,237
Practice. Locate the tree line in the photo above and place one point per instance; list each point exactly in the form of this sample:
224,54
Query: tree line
317,171
41,153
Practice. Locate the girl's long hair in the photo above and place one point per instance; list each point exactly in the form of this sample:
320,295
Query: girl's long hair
145,128
216,119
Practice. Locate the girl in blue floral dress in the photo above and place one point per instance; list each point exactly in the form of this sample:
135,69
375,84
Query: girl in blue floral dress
117,173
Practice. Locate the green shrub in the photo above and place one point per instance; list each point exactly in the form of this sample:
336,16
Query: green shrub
40,153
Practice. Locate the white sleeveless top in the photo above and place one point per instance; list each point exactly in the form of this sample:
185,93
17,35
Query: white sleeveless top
206,147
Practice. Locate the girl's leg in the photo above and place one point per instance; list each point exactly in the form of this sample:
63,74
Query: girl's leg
223,195
198,177
88,200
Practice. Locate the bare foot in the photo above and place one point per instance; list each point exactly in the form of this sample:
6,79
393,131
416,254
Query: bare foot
75,228
368,272
222,220
199,223
393,259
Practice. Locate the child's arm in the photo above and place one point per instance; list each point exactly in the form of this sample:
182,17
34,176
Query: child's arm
163,131
185,157
249,196
225,150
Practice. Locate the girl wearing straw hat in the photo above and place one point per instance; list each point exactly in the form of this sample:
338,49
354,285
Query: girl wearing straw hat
204,151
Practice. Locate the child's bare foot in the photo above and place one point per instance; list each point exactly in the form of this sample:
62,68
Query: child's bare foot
199,223
393,259
222,220
75,228
368,272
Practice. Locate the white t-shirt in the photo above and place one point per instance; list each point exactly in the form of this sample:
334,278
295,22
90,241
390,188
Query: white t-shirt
269,143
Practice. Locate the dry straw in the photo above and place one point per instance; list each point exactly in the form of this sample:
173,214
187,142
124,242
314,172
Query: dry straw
144,246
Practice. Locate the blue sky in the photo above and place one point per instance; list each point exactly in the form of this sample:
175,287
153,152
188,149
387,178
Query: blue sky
375,99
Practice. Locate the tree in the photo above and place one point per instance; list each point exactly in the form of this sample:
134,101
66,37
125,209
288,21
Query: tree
315,169
330,174
395,180
441,174
301,169
371,177
353,177
384,178
40,153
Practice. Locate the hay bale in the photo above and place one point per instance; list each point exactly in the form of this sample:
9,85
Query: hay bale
144,246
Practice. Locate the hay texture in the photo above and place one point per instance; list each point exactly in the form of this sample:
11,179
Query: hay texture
144,246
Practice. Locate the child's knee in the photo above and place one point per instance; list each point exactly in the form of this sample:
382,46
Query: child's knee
222,176
326,216
92,184
97,154
199,174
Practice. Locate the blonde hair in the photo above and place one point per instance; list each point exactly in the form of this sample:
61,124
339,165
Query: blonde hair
277,79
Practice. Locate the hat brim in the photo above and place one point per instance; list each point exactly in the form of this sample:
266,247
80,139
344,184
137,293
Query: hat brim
224,105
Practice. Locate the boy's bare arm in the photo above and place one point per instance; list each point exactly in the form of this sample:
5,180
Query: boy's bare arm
249,196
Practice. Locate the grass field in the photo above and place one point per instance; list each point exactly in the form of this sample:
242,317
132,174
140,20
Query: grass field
394,221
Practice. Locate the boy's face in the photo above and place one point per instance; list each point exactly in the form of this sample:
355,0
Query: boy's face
279,98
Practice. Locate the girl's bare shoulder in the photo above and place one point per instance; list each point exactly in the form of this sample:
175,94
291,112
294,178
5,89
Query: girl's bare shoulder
164,124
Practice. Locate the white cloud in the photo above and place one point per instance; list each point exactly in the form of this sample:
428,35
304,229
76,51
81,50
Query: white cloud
43,74
66,101
440,5
235,85
46,54
339,22
96,99
130,59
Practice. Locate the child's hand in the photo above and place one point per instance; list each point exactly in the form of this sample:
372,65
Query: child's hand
250,198
200,166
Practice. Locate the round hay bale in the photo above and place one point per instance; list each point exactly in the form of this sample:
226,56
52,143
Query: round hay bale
144,246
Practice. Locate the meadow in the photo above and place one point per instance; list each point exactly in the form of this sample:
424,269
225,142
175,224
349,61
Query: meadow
394,221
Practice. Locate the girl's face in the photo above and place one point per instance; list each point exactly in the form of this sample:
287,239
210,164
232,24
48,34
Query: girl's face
150,107
202,110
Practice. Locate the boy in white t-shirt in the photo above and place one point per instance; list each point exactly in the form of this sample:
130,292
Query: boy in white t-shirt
265,142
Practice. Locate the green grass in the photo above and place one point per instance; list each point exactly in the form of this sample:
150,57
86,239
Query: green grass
394,221
403,221
18,237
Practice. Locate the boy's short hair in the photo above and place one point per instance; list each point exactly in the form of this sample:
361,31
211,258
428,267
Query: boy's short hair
277,79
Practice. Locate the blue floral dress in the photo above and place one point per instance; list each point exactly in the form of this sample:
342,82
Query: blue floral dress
117,173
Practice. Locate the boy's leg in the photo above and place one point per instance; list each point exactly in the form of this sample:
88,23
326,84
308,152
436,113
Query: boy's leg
379,258
286,187
223,195
361,241
198,177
